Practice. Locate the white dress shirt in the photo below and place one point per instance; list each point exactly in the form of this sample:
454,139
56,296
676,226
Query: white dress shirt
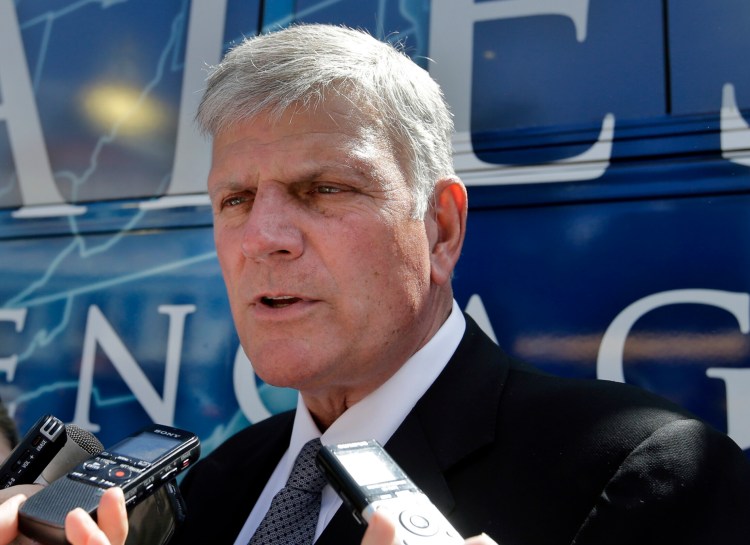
377,416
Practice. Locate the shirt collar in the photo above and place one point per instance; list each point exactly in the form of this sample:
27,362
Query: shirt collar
379,414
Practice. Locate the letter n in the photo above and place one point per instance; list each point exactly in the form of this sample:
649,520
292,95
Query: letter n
99,332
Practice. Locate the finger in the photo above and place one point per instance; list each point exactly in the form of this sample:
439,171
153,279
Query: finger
9,518
27,490
381,530
80,529
483,539
112,516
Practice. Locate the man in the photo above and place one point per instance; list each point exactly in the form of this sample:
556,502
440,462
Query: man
338,221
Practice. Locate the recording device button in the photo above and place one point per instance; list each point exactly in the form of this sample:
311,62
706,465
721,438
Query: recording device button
169,474
120,473
83,477
94,465
417,523
23,462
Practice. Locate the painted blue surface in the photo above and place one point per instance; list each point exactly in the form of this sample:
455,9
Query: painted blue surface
553,264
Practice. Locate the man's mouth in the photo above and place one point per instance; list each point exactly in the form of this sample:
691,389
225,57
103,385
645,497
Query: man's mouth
279,302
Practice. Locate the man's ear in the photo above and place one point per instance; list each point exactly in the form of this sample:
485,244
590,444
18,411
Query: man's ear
448,213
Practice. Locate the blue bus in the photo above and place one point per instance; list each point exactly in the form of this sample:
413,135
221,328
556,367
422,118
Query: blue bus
605,146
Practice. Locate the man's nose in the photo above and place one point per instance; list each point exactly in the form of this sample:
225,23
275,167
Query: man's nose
272,228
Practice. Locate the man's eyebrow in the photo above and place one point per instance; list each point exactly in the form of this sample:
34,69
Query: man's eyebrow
333,171
336,168
334,174
225,186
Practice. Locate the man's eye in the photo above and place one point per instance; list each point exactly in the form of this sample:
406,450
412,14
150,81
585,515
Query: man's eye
327,189
233,201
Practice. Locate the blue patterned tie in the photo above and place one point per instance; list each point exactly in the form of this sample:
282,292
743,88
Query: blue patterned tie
293,515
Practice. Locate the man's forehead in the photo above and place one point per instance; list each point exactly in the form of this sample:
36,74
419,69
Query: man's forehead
325,135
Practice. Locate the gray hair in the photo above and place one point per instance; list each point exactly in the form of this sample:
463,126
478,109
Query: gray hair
302,64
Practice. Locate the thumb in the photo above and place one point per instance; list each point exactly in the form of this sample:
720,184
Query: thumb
381,530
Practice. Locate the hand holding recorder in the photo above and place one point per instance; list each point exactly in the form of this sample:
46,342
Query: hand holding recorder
47,451
139,465
369,481
381,530
381,496
80,529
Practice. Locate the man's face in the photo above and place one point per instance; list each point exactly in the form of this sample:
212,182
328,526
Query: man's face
328,276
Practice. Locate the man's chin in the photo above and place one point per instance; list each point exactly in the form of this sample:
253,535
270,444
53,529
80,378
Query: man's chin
284,375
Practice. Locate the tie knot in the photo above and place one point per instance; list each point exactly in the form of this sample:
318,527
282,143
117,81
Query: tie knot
305,473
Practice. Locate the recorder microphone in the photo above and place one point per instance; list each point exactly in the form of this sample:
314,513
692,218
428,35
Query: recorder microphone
80,446
33,452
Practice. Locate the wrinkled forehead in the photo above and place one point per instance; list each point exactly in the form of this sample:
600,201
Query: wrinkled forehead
330,137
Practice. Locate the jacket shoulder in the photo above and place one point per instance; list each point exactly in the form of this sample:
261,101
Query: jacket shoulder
225,484
242,444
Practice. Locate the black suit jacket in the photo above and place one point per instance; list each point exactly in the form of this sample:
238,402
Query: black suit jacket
525,457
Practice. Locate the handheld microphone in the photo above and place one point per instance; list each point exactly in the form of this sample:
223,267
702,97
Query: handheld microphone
80,446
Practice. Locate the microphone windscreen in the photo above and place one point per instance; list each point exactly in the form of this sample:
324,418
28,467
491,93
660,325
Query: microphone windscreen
84,439
80,446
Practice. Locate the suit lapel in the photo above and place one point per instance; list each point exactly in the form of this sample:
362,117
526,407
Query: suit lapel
456,416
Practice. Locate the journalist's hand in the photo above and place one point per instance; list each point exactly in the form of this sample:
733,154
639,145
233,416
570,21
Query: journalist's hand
9,518
80,528
381,530
10,500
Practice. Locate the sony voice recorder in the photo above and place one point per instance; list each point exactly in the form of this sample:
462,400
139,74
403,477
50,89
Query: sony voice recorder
139,464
